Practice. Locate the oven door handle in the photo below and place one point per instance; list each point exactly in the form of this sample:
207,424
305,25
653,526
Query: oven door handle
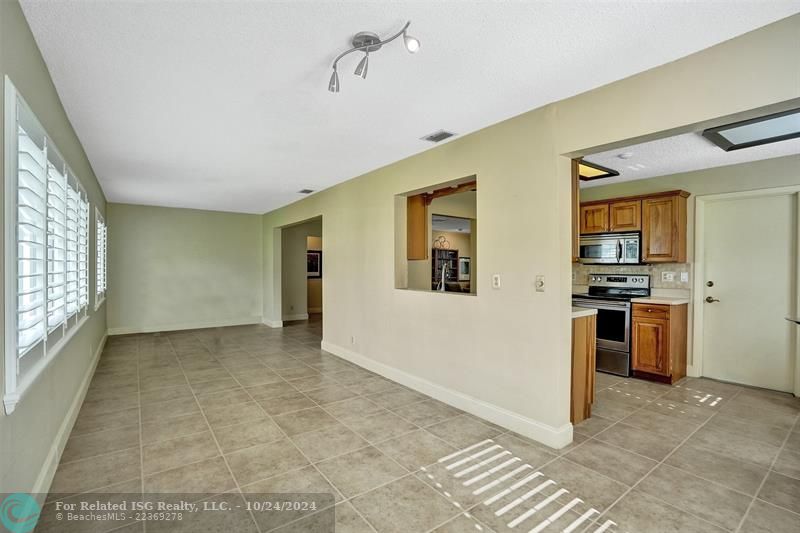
595,304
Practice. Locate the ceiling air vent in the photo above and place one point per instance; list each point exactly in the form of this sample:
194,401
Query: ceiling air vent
438,136
305,191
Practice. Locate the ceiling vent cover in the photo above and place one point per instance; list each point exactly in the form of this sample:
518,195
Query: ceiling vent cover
305,191
438,136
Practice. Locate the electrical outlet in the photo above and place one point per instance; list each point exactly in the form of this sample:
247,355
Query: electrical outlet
539,283
684,277
353,339
495,281
668,276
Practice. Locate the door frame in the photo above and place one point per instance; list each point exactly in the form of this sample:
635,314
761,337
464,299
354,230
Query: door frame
696,368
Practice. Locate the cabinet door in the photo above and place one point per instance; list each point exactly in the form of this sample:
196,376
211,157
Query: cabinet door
594,218
651,345
664,229
625,216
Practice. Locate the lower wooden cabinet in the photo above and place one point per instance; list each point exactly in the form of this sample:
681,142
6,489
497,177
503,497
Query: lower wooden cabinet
584,364
659,342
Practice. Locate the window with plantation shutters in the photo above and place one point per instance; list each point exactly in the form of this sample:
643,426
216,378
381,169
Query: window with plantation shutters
83,252
101,255
46,249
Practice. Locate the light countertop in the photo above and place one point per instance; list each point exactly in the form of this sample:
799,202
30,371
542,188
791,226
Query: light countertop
578,312
661,300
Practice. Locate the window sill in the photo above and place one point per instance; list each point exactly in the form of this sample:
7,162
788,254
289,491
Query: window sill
11,399
453,293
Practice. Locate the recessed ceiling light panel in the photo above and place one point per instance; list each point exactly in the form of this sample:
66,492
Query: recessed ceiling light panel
592,171
754,132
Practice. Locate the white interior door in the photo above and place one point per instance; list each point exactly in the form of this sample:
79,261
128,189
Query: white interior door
749,255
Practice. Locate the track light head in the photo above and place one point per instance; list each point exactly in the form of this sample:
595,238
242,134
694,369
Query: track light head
363,65
333,85
412,43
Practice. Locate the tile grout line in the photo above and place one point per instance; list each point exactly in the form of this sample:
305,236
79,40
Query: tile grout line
288,438
211,430
590,438
632,487
141,427
767,474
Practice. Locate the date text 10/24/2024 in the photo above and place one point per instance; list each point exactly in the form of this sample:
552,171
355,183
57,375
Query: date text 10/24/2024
187,507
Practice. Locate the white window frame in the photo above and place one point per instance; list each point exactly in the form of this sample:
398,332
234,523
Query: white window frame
101,259
19,373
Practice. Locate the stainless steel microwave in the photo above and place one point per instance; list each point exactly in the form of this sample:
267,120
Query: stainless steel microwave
610,248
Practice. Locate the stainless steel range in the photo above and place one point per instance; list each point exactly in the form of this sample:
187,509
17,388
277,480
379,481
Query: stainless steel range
611,295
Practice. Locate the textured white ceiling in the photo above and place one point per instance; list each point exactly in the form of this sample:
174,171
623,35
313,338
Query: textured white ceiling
454,224
681,153
223,105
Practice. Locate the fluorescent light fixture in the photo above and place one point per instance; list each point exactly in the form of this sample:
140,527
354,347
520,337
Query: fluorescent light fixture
754,132
592,171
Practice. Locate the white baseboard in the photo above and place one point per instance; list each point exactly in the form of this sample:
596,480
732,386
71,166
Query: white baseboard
186,325
551,436
300,316
273,323
314,309
48,471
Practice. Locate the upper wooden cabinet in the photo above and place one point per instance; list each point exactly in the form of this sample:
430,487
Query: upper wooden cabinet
625,215
594,218
417,227
661,217
664,228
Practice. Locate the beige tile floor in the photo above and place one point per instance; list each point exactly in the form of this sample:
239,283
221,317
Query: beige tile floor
251,409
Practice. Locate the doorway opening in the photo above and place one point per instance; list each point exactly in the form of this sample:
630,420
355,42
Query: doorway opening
696,221
302,271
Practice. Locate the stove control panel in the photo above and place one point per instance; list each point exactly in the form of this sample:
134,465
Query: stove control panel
627,281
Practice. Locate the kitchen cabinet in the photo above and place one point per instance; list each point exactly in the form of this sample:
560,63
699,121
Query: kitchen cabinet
664,228
625,216
661,218
584,342
658,348
594,218
417,227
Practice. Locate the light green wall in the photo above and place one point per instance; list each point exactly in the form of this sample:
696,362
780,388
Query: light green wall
30,437
182,268
511,363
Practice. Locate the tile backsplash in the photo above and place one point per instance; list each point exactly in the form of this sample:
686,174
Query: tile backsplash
581,273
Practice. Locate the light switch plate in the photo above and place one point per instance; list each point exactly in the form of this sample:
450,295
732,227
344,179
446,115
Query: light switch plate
684,277
495,281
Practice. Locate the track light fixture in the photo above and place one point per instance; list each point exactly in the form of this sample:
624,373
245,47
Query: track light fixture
367,42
